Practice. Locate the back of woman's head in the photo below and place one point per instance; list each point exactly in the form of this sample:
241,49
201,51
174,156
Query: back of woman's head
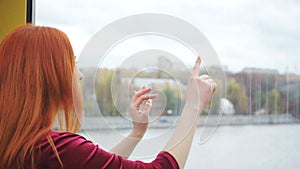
37,66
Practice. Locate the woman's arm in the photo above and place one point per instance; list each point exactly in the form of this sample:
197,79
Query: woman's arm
199,92
127,145
140,122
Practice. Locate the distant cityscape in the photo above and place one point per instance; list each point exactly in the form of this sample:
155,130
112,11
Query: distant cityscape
253,91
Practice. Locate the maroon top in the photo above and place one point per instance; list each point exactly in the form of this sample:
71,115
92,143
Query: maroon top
78,153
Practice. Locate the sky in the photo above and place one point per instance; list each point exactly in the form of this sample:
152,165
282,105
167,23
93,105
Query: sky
244,33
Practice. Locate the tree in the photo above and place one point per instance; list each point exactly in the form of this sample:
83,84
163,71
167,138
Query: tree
273,101
103,93
236,93
88,92
173,102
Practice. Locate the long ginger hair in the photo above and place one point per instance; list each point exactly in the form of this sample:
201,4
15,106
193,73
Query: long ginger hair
37,84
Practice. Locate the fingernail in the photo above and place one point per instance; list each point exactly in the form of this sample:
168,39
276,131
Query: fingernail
135,92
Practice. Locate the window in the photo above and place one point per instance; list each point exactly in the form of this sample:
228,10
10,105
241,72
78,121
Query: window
257,44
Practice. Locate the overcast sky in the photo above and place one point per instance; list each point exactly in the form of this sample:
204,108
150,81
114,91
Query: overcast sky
244,33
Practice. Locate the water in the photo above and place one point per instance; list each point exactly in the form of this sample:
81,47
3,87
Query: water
231,147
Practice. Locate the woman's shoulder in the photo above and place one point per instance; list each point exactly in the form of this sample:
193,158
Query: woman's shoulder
61,139
70,147
64,135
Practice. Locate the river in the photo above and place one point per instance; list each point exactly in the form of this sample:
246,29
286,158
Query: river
230,147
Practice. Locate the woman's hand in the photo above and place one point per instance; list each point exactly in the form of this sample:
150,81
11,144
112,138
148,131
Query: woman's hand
200,88
198,94
140,107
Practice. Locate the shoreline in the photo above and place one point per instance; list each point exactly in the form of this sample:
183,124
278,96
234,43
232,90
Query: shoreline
105,123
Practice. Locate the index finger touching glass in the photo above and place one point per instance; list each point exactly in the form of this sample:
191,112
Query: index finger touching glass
196,67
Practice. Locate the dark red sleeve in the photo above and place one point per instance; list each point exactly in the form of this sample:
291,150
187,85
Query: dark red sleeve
78,153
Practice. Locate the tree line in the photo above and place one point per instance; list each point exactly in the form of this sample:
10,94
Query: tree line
250,91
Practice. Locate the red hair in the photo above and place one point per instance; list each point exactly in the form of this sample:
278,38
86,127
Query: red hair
37,70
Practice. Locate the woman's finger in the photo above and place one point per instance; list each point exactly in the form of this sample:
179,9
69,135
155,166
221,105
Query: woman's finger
143,91
143,98
210,80
196,67
204,77
214,87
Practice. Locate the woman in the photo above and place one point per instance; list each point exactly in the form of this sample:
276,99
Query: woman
39,82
